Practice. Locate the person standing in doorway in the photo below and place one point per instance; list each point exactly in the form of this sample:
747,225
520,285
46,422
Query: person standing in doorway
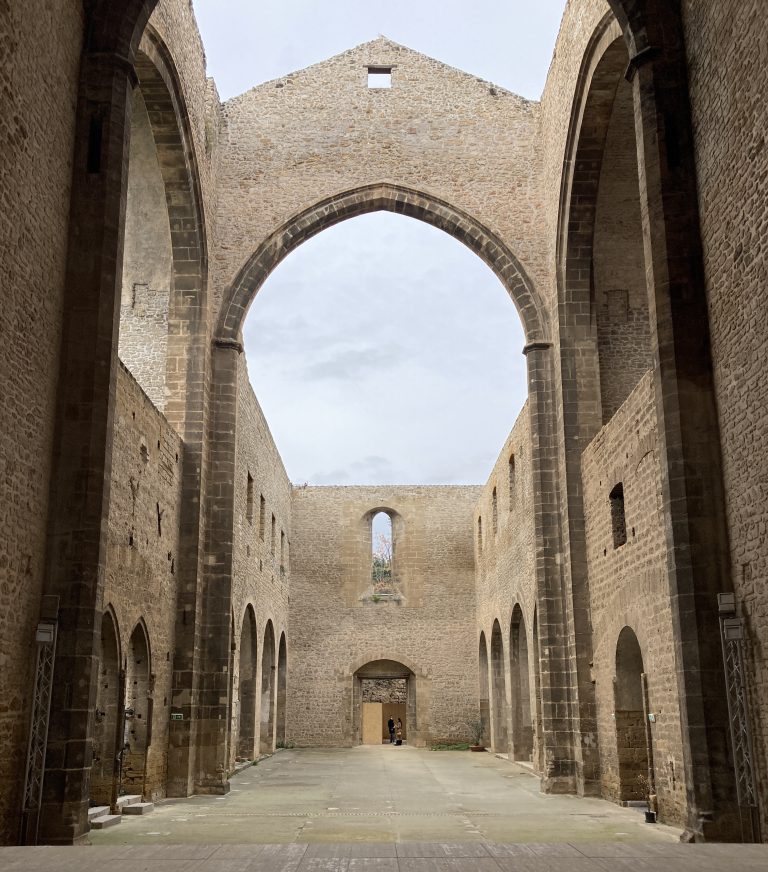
399,732
391,728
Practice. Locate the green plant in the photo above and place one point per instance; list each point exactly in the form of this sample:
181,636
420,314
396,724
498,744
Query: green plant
450,746
284,743
476,729
376,598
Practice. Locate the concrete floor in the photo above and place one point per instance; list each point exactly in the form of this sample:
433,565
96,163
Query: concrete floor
385,794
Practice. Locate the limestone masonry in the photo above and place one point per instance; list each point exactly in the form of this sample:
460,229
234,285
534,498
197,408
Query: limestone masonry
599,603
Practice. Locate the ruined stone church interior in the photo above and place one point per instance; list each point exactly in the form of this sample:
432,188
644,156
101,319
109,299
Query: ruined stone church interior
177,616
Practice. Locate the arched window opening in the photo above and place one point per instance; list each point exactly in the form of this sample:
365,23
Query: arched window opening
137,734
383,576
618,518
633,736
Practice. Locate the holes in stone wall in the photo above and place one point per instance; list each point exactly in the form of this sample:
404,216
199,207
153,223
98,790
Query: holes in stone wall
618,519
511,480
480,533
379,77
262,516
272,536
495,511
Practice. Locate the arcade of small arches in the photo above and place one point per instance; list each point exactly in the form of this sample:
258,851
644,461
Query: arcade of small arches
570,603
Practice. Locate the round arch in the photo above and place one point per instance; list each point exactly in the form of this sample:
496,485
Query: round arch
376,198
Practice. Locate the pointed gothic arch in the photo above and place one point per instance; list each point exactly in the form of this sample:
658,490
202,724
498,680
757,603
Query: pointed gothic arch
373,198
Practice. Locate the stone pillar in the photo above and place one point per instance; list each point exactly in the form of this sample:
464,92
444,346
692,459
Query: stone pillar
692,490
213,696
80,482
559,769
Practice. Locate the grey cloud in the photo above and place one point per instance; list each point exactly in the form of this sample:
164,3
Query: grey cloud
353,364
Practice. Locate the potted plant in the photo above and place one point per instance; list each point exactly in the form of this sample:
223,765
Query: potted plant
649,797
476,729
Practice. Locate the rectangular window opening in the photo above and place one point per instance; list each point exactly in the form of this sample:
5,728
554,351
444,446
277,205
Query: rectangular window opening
379,77
272,538
249,499
262,516
618,519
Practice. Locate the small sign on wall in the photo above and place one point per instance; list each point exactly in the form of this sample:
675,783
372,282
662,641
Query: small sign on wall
177,716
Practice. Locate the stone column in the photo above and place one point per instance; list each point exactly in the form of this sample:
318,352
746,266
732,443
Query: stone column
80,483
214,690
689,441
559,771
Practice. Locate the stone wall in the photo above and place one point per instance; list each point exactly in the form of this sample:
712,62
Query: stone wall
261,575
143,550
728,62
337,628
504,556
475,149
39,64
629,588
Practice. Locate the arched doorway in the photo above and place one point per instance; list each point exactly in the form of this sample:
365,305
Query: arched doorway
108,718
267,731
485,704
137,733
383,689
248,663
499,710
522,724
632,740
282,685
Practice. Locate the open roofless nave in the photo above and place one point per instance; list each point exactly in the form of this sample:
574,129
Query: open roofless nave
172,608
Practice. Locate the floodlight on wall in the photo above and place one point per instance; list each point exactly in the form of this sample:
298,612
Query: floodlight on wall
45,633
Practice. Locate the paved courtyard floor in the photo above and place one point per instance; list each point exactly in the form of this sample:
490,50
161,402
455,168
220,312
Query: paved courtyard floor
387,810
384,794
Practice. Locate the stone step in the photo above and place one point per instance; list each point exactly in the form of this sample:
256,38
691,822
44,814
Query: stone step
106,820
128,799
139,808
97,811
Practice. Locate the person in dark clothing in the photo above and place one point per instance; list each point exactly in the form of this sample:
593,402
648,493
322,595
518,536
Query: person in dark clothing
391,728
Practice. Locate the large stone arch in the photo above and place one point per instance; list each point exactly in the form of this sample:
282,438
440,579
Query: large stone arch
372,198
689,440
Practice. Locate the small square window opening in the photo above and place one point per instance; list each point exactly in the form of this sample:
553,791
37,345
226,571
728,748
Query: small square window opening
379,77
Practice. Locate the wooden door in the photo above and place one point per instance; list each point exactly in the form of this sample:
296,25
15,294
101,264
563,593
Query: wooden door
372,723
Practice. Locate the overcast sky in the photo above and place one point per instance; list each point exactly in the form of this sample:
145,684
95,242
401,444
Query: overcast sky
382,351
